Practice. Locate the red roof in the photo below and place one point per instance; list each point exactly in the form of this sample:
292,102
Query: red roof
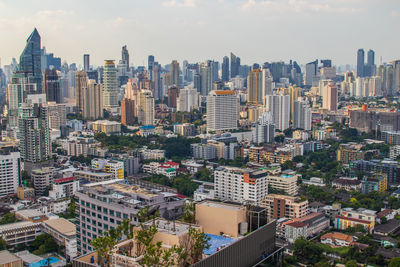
384,213
297,224
64,180
172,163
353,219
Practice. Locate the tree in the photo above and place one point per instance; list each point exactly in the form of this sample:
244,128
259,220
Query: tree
44,243
351,263
189,215
8,218
279,138
395,262
287,165
307,251
3,244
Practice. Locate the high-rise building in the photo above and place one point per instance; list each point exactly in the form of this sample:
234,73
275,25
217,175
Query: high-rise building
255,87
110,85
42,179
330,97
80,83
396,75
370,68
51,86
360,62
86,62
30,59
10,172
206,79
173,93
279,106
127,112
156,81
302,116
235,65
295,93
145,107
311,72
125,57
34,132
92,100
264,130
225,69
222,110
150,64
188,100
57,115
174,73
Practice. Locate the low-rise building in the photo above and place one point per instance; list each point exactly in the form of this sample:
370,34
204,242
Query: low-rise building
279,206
64,188
388,214
350,218
184,129
316,181
64,232
337,239
375,182
115,167
349,152
25,192
156,154
93,176
107,127
347,184
10,260
167,168
20,232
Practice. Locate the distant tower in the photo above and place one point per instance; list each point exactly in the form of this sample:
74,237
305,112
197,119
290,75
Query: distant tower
222,110
174,73
360,62
125,57
86,62
80,83
110,85
51,86
225,69
235,64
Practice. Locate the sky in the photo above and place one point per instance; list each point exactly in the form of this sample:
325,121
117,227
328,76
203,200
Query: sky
196,30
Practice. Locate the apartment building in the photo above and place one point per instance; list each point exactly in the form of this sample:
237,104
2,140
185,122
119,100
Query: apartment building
156,154
279,206
240,185
350,218
349,152
104,205
116,168
64,188
93,176
285,181
42,179
9,172
20,232
64,232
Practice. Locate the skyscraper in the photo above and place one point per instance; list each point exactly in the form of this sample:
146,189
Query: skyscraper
173,93
30,59
51,86
206,77
110,85
279,106
330,97
235,64
255,87
125,57
264,130
156,81
80,83
396,75
10,173
302,116
311,72
188,99
360,62
86,62
150,62
295,93
127,112
174,73
222,110
34,132
225,69
145,107
92,100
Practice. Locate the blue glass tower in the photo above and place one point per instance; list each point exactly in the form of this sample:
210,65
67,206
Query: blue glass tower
30,60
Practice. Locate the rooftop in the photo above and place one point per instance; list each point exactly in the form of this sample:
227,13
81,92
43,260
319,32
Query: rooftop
336,235
62,226
170,227
7,257
220,205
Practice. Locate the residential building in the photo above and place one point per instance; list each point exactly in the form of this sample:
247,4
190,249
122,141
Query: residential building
81,80
184,129
51,86
337,239
93,176
294,230
20,232
107,127
394,152
269,154
174,74
218,217
167,168
285,181
222,110
347,184
301,115
204,151
10,172
25,192
92,100
188,99
391,137
240,185
279,106
103,206
64,188
156,154
388,167
110,85
42,179
64,233
145,107
330,97
374,182
115,167
57,115
349,152
350,218
127,112
10,260
279,206
264,130
315,181
366,121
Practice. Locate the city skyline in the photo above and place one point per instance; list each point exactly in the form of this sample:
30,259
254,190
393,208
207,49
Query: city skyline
256,31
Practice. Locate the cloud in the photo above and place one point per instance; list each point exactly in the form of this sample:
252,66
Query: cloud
181,3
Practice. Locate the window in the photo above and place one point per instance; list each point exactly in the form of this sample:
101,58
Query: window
105,218
126,216
111,212
111,220
105,210
118,214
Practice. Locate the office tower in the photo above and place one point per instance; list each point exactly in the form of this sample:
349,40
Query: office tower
132,90
225,69
206,77
215,69
235,65
302,115
245,186
330,97
348,86
267,83
396,75
174,74
92,100
150,62
80,83
173,93
184,70
86,62
222,110
157,83
57,115
360,62
255,87
311,72
145,107
188,100
295,93
10,172
279,106
371,62
390,83
125,57
326,63
127,112
51,86
110,85
21,84
42,178
34,132
30,59
49,61
264,130
197,82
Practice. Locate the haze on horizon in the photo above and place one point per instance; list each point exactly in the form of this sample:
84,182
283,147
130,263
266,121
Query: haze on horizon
196,30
